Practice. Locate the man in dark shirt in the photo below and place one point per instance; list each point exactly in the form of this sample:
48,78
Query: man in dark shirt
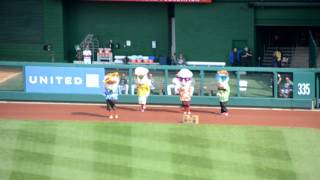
246,57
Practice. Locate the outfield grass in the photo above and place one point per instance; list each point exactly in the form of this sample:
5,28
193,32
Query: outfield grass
44,150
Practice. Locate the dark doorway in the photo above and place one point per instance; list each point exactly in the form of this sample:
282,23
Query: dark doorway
288,39
291,36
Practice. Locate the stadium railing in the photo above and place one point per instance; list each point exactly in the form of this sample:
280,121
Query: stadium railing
262,87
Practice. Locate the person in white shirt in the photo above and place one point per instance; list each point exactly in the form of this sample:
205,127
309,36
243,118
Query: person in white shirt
174,85
87,55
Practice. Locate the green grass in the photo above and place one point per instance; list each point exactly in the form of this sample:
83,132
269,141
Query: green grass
40,150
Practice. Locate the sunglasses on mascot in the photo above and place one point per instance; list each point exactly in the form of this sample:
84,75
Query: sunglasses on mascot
111,82
184,79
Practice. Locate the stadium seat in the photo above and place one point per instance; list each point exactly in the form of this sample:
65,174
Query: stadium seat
243,84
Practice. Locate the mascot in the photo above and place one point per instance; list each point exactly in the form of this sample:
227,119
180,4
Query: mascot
111,82
223,90
185,89
143,86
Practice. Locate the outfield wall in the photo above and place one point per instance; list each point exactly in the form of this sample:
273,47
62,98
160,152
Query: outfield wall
258,94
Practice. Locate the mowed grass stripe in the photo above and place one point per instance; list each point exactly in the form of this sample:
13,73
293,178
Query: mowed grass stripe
66,155
183,160
20,156
234,152
114,140
34,136
30,139
304,150
73,140
123,149
151,156
148,159
181,140
225,165
83,170
261,153
6,156
118,147
17,175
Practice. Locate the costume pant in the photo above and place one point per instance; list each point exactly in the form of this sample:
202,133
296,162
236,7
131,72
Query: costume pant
223,106
143,99
186,105
111,104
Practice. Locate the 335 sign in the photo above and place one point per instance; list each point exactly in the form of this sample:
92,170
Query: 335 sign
303,89
304,85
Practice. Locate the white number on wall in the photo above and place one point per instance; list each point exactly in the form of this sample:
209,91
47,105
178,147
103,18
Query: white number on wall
304,89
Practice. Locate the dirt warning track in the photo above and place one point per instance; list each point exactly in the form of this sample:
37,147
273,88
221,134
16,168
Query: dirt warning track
160,114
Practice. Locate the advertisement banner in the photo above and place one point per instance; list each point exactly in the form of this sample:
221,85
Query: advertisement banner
65,80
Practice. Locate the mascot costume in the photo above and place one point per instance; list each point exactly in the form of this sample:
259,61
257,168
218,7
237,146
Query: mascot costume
111,82
143,86
223,90
185,89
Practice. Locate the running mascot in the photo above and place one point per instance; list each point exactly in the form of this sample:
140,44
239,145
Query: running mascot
185,89
143,86
111,93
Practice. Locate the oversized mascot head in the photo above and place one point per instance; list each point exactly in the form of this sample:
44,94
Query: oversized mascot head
223,79
142,75
185,78
111,80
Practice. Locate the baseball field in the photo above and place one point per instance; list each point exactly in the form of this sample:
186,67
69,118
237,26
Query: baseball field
42,141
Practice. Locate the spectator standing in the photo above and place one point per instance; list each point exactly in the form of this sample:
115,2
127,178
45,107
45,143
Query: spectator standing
87,55
152,83
278,83
110,45
181,60
123,84
234,57
246,57
277,58
173,59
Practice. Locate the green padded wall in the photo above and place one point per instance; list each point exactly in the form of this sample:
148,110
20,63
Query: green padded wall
51,31
285,16
206,32
22,21
141,23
